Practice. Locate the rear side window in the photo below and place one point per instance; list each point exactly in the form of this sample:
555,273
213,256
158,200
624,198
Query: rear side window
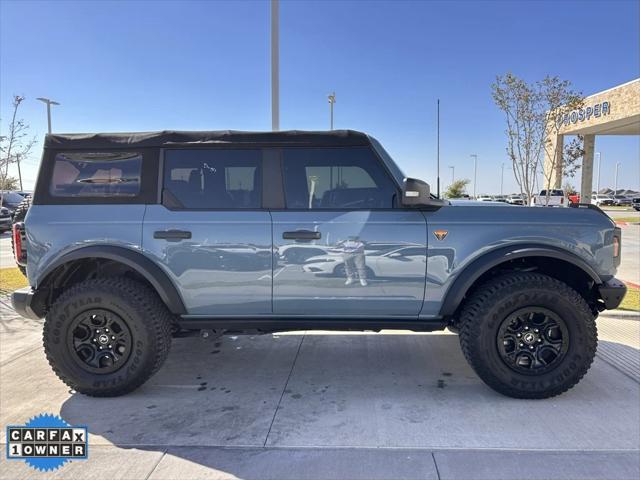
96,174
336,178
213,179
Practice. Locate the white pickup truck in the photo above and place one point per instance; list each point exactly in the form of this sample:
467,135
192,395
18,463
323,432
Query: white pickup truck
557,198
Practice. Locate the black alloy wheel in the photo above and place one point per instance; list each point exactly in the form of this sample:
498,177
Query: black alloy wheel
533,340
101,340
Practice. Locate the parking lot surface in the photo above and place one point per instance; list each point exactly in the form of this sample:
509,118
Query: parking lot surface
333,405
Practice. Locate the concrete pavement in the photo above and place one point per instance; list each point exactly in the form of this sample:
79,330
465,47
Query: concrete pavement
333,405
629,270
6,255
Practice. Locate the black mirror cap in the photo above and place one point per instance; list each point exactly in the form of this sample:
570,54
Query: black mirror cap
415,192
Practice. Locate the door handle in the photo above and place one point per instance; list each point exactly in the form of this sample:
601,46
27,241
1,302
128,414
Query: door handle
172,235
301,235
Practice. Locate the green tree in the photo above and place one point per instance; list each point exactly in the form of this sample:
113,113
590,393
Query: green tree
15,143
569,189
9,183
457,189
533,114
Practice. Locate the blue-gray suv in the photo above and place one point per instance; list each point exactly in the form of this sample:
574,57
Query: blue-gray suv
133,239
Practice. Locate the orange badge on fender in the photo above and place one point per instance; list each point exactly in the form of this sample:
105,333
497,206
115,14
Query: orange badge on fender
440,234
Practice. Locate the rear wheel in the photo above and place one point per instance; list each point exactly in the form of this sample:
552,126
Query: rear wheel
528,335
106,337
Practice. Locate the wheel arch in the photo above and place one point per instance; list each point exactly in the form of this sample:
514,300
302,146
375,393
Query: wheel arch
133,260
529,255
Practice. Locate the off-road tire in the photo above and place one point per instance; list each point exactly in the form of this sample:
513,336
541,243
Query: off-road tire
19,216
493,302
146,316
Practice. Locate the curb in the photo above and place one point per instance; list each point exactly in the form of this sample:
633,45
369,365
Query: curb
619,313
627,224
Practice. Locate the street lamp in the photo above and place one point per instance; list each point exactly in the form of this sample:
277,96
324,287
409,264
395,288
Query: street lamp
453,173
332,100
475,173
615,188
598,177
275,65
49,103
502,179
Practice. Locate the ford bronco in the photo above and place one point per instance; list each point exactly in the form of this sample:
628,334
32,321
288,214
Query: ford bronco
133,239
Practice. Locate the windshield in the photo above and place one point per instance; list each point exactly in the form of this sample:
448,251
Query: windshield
11,197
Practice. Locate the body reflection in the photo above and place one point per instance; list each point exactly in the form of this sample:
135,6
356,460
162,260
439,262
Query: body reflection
354,260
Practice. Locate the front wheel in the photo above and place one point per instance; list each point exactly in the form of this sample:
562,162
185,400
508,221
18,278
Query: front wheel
106,337
528,335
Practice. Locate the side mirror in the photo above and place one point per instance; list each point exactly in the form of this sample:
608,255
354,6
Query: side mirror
415,192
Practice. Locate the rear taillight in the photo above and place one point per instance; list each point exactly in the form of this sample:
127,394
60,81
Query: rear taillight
562,201
18,247
616,247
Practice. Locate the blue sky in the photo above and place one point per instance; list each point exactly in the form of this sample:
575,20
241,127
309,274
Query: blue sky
126,66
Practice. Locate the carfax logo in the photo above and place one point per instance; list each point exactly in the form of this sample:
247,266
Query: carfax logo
46,442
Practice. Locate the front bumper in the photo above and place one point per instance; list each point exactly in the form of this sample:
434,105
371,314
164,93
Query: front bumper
22,301
611,293
5,223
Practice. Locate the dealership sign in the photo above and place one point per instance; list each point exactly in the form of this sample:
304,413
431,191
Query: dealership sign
580,115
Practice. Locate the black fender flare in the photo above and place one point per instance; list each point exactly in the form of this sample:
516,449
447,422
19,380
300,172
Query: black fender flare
158,279
467,277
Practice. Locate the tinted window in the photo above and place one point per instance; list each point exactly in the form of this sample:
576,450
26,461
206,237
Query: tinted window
212,179
336,178
96,174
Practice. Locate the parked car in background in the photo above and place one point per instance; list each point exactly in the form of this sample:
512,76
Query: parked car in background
5,219
515,199
636,204
574,198
500,198
600,200
621,200
485,198
556,198
11,200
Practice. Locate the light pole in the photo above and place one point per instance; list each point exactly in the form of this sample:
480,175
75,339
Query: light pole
615,188
438,152
332,100
598,177
502,179
49,103
453,173
275,66
475,173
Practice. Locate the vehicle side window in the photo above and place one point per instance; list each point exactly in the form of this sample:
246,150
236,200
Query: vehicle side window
213,178
335,178
96,174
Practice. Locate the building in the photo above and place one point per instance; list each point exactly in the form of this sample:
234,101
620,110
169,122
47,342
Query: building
615,111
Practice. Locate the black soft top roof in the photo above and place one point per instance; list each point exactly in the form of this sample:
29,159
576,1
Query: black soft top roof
171,137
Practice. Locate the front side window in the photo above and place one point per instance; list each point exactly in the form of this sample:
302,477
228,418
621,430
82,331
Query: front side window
335,178
96,174
213,178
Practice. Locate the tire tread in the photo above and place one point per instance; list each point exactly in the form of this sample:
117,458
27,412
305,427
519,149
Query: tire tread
156,313
476,308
